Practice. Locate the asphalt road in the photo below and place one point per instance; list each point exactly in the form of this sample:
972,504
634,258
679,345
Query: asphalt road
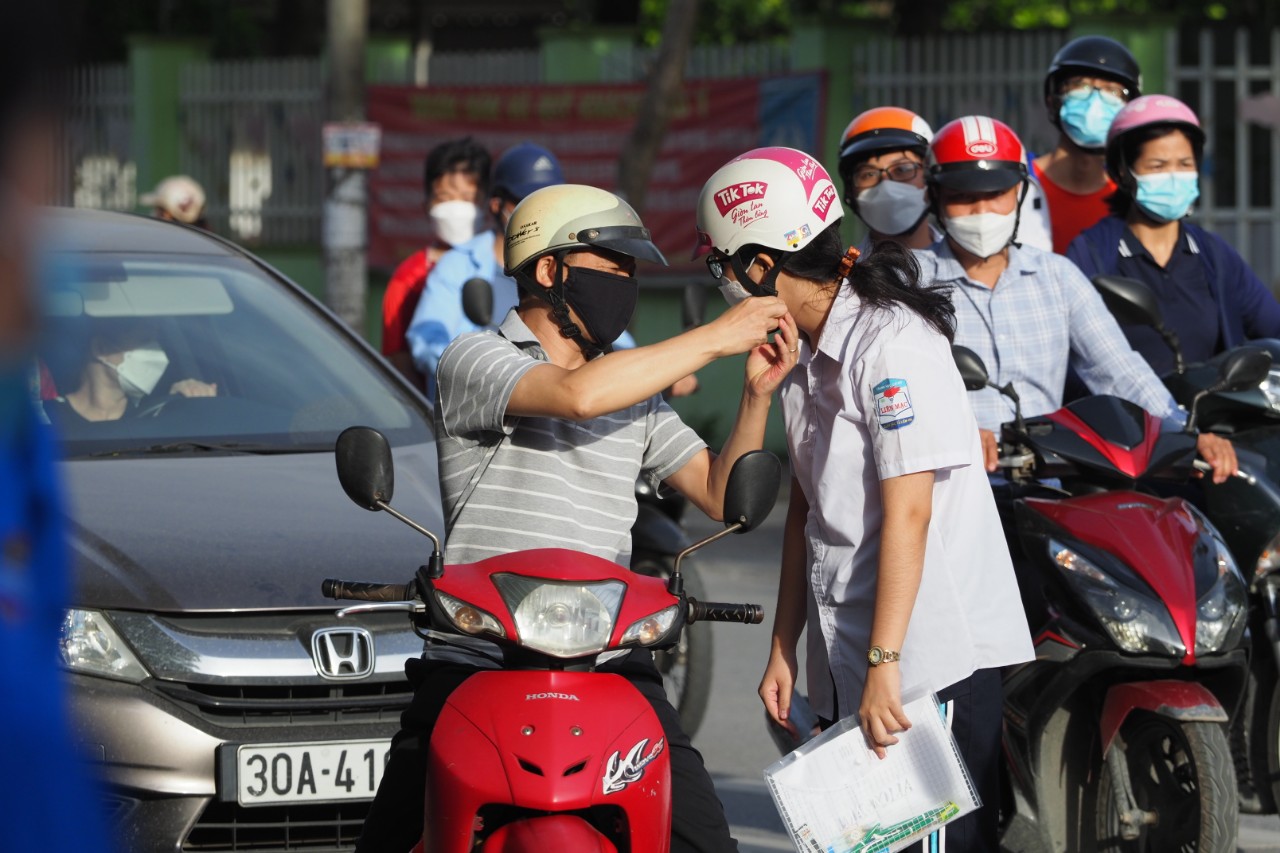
733,737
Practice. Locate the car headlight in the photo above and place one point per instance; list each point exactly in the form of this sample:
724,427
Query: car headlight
467,617
562,619
1220,612
91,645
1134,620
651,628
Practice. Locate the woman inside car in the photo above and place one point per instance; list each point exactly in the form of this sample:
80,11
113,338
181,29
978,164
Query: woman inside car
124,364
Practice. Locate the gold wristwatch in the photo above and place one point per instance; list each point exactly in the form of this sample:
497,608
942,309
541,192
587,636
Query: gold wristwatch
877,656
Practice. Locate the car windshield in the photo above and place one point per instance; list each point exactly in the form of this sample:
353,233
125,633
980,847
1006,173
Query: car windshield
211,354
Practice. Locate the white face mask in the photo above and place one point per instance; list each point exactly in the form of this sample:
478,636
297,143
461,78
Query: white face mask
891,208
982,234
454,222
140,370
733,292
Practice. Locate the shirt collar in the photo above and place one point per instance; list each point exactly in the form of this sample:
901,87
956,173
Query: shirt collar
1130,246
947,267
514,329
843,314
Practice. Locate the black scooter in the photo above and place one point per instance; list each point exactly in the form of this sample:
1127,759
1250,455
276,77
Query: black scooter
1246,510
657,538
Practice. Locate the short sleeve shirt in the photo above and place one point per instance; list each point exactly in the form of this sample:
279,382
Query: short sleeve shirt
516,483
880,397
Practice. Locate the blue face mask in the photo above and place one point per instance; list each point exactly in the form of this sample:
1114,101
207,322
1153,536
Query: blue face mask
1167,196
1085,121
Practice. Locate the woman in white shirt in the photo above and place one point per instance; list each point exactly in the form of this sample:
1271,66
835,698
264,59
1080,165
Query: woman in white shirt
893,555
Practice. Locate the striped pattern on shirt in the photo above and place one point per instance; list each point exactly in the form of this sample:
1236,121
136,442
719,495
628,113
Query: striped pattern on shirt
550,482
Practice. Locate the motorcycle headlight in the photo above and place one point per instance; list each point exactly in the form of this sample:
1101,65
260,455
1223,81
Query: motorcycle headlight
1135,621
562,619
651,628
91,645
1220,612
467,617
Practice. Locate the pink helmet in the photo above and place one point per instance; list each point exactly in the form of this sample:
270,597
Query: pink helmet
1146,111
778,198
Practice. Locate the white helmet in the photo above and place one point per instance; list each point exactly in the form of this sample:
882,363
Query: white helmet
179,196
778,198
565,217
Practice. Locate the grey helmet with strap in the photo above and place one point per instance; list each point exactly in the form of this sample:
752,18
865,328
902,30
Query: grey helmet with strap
558,220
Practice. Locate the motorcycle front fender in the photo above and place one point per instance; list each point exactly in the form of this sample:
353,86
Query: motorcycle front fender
1177,700
552,832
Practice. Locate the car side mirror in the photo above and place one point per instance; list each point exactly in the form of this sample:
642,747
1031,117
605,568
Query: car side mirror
477,301
365,469
752,490
972,370
1132,303
1243,368
693,305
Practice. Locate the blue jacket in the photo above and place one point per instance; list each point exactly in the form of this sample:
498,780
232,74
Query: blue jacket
1246,307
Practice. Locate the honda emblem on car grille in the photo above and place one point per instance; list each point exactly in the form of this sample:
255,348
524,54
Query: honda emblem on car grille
342,653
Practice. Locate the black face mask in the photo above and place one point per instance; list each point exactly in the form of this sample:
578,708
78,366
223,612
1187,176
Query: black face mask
604,302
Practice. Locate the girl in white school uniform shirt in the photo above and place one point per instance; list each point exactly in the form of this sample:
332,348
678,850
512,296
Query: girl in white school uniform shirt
893,554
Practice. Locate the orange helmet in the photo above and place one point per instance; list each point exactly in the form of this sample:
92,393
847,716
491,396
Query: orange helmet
880,129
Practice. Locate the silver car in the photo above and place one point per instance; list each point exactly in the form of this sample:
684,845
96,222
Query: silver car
228,708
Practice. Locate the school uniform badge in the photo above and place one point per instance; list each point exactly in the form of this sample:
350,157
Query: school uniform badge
893,404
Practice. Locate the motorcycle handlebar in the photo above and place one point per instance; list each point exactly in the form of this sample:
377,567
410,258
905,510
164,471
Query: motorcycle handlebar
715,611
357,591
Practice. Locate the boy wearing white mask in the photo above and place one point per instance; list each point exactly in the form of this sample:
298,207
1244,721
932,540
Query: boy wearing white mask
439,318
454,177
1028,313
882,169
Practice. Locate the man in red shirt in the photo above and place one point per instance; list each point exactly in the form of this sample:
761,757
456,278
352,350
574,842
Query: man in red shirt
1088,82
454,179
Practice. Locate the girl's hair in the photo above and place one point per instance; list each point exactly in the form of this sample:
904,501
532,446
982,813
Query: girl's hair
888,275
1120,202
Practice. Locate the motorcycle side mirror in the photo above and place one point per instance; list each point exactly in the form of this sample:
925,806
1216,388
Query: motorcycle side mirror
749,496
972,370
1244,368
367,474
477,301
751,491
365,469
1132,303
693,305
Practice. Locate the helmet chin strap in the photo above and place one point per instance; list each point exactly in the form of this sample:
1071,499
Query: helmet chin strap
767,285
554,296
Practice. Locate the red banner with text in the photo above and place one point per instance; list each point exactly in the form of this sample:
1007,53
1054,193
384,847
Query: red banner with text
586,126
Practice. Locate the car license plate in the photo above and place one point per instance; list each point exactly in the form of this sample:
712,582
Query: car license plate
309,772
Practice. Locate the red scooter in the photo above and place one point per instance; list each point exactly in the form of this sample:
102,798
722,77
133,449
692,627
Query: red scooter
1115,736
547,753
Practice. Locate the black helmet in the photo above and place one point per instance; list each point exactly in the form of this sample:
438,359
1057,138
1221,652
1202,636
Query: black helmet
1095,55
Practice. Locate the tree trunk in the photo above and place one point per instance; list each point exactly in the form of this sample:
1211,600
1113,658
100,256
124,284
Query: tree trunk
659,102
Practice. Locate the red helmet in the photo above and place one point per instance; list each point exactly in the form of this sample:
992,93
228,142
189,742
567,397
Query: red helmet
976,154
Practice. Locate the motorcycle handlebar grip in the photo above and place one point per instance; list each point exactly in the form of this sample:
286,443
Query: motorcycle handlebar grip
356,591
716,611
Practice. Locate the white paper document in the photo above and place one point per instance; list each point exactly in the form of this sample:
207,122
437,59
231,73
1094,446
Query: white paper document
835,796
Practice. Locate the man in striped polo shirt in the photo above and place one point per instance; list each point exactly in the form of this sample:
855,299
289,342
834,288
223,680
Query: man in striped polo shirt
542,432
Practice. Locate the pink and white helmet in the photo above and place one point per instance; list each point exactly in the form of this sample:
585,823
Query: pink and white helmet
778,198
1143,112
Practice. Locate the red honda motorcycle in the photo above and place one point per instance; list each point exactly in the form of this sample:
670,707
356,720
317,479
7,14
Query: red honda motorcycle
1115,736
547,753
